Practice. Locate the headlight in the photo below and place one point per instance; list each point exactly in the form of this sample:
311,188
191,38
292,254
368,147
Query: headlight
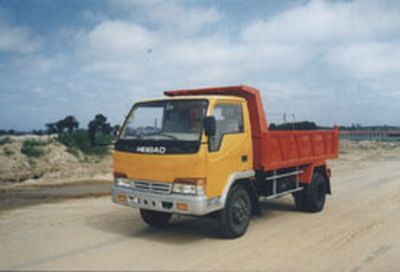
121,180
185,189
189,186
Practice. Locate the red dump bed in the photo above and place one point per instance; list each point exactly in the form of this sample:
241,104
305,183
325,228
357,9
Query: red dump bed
276,149
283,149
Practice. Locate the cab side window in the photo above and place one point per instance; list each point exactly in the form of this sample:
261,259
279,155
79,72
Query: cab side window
229,120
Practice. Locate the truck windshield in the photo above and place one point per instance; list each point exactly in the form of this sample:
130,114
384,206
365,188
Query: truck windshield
169,120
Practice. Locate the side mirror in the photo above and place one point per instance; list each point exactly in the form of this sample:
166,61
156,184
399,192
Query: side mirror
210,127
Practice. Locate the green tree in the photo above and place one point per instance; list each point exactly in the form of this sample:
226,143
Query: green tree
70,123
98,124
51,128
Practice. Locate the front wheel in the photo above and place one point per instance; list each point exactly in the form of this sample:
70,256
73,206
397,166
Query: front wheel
235,217
155,218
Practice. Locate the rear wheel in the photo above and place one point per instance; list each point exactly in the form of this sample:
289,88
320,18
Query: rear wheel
299,200
235,217
155,218
312,198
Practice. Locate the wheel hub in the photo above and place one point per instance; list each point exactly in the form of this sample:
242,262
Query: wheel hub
240,211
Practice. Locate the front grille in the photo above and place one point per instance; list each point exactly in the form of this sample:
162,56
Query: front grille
151,187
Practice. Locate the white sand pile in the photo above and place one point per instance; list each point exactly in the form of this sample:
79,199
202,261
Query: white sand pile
55,163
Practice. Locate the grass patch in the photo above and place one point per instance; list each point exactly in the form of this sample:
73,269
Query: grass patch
5,140
79,141
33,148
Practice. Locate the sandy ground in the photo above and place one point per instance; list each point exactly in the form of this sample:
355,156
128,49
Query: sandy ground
359,230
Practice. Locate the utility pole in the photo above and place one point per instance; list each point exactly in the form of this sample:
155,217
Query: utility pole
293,121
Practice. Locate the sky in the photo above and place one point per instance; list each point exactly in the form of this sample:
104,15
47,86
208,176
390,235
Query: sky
332,62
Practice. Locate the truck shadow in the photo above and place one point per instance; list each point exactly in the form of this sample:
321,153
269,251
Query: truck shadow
181,230
278,205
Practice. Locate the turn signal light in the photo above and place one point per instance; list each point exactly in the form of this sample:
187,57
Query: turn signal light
182,206
122,198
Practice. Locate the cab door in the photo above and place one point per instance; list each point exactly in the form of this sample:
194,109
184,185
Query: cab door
230,150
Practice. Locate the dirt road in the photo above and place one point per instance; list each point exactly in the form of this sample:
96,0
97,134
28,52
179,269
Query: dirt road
359,230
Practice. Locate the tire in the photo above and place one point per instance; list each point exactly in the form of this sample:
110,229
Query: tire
155,218
312,198
299,200
235,217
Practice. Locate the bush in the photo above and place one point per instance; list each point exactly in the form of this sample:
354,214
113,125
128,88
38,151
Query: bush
79,141
5,140
33,148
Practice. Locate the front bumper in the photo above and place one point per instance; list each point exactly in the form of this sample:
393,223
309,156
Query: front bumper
196,205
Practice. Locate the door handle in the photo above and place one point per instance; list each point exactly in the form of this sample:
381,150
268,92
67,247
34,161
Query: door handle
244,158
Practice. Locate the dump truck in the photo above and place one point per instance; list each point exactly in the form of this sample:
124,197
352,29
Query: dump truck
209,152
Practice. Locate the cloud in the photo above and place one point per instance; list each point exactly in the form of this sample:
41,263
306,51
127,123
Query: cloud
323,22
323,60
310,49
185,20
38,65
356,37
15,39
171,15
371,60
118,37
347,54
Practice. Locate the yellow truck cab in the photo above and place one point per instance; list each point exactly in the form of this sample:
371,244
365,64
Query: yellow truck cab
197,154
179,160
